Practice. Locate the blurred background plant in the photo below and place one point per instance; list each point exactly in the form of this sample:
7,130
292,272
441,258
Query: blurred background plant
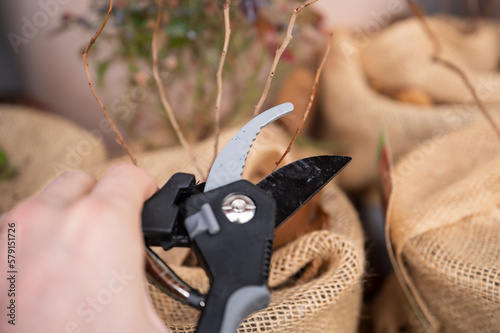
191,39
7,171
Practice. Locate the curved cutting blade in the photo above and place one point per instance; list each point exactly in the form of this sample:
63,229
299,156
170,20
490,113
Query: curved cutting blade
295,183
228,166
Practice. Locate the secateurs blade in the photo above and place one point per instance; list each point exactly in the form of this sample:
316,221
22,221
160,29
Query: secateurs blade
229,223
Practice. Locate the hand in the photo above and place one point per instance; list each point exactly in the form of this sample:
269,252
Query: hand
80,256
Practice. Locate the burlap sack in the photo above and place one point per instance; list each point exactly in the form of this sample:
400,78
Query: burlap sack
400,57
355,115
444,227
328,298
41,146
327,301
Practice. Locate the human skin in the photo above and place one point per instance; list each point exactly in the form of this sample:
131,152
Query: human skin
79,256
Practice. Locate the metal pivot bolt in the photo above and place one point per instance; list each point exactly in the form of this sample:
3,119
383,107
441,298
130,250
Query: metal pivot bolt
238,208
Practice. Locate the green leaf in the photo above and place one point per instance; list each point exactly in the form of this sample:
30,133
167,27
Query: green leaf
101,71
307,141
6,171
8,174
3,159
382,139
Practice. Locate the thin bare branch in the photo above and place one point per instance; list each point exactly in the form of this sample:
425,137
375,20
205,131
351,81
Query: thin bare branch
309,105
89,79
420,16
279,52
163,97
227,28
436,57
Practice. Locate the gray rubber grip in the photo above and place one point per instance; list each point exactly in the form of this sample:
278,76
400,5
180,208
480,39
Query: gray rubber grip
243,303
202,221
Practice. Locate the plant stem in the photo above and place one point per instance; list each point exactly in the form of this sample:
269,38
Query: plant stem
163,97
436,57
279,52
227,28
309,105
89,79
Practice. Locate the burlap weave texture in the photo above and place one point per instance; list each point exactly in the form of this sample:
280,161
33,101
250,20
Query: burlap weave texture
330,302
400,56
444,224
41,146
355,115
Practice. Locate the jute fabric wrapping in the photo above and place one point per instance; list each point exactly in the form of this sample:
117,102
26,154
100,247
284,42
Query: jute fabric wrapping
400,57
329,302
41,146
444,226
355,115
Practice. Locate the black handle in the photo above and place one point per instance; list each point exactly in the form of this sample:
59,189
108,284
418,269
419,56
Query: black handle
162,226
161,215
235,256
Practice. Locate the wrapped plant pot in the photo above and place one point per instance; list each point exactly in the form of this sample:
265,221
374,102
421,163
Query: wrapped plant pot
444,227
397,63
315,274
39,147
355,116
316,270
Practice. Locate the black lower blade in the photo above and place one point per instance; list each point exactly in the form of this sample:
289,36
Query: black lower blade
295,183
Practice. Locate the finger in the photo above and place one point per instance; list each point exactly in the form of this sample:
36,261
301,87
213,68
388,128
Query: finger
67,188
126,185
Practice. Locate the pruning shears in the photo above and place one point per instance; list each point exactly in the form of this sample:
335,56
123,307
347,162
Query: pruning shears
229,223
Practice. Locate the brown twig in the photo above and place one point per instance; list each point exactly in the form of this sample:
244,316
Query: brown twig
227,35
436,57
163,97
420,16
279,52
89,79
309,105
